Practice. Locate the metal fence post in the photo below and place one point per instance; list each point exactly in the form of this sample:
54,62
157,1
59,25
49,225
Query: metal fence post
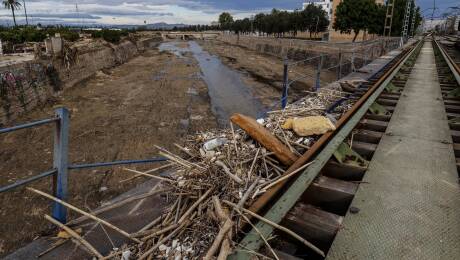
353,61
285,84
60,162
318,72
339,68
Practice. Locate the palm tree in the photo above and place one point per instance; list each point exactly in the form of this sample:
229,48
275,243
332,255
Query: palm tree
13,5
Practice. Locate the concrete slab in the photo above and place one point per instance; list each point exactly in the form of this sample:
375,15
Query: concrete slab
130,217
410,201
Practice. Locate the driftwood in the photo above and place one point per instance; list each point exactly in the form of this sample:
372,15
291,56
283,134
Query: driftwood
177,230
76,236
260,234
117,205
264,137
225,250
275,225
122,232
227,171
148,175
218,240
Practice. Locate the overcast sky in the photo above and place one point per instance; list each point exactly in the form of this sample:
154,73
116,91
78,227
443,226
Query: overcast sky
172,11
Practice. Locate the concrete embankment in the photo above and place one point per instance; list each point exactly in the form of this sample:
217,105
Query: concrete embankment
296,49
25,85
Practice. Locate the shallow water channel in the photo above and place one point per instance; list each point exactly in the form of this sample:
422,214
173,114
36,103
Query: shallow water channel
226,88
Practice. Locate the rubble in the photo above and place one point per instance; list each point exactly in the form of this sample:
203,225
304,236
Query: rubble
230,166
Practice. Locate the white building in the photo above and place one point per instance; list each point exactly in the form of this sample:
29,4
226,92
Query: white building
326,5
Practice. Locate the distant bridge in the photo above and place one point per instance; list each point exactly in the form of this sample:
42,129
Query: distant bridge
189,35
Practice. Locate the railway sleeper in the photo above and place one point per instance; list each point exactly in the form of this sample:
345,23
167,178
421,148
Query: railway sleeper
314,224
345,172
330,194
393,96
318,215
368,136
452,109
384,118
375,125
366,150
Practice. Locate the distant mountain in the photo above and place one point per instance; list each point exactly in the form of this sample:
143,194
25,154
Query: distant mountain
153,26
166,26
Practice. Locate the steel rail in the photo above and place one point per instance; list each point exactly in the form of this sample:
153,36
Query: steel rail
266,197
450,62
252,241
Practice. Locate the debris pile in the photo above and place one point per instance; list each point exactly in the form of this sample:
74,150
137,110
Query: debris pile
216,177
220,173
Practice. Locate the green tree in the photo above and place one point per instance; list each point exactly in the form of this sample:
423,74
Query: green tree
314,19
225,20
13,5
354,16
377,21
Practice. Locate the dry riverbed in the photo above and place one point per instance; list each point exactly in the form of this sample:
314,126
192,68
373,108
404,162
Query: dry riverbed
120,113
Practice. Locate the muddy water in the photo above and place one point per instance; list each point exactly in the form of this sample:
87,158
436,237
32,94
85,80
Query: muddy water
226,88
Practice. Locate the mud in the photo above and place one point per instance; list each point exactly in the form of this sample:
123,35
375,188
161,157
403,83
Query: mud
263,73
228,92
120,113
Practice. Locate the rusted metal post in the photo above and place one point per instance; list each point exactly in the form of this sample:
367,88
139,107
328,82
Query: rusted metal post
353,61
60,163
339,67
318,72
285,84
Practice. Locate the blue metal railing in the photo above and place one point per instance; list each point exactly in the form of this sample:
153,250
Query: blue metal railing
60,161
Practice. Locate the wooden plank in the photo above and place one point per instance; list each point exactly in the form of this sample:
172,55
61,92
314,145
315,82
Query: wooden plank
344,172
394,96
330,194
374,125
452,109
366,150
313,224
285,256
368,136
265,138
457,149
455,136
387,102
384,118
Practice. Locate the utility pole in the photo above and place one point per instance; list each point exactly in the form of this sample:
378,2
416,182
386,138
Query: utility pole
389,18
406,20
25,11
432,14
414,13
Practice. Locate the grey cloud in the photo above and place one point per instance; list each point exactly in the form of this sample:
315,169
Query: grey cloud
64,16
120,12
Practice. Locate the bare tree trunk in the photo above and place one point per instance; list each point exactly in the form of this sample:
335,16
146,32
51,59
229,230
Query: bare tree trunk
356,35
14,16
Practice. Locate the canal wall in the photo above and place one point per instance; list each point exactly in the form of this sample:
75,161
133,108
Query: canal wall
297,49
25,85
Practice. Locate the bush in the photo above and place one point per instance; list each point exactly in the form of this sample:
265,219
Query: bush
65,33
31,34
113,36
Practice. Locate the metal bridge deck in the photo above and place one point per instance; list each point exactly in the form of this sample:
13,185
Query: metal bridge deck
409,200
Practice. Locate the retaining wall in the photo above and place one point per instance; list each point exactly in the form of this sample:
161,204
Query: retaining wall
25,85
298,49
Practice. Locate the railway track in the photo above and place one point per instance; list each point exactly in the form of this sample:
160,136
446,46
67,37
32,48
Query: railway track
451,46
447,65
314,204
